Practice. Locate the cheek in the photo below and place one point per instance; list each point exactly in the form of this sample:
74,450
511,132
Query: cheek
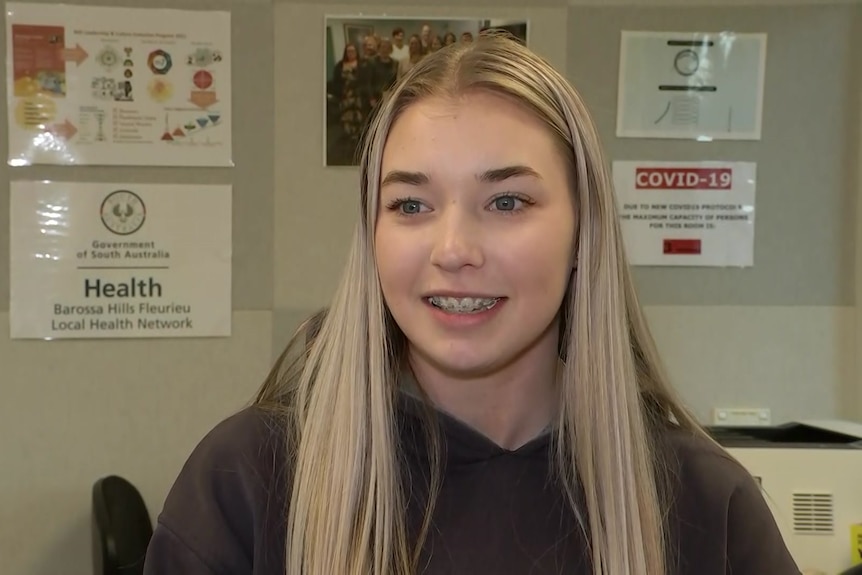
540,266
545,274
395,264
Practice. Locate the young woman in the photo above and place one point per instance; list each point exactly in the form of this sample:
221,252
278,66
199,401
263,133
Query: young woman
482,396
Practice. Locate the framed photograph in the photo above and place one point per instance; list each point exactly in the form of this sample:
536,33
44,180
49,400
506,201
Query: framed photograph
366,56
355,33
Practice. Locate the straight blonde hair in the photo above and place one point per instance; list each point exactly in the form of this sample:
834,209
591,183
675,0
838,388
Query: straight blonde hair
338,391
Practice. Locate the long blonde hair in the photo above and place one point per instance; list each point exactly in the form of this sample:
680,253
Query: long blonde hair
338,392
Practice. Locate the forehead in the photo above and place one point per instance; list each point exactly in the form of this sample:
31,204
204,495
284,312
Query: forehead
477,129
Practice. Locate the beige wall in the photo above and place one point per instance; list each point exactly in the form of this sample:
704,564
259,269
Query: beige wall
783,335
75,411
799,361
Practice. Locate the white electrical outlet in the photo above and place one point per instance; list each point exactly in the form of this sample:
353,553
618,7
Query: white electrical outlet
741,416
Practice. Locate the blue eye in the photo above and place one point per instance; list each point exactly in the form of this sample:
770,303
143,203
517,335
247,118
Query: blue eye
510,203
406,206
410,207
506,203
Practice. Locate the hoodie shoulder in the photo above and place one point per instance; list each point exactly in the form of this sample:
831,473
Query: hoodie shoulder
721,515
224,513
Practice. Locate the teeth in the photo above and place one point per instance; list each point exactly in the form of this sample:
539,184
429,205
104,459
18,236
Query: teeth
463,305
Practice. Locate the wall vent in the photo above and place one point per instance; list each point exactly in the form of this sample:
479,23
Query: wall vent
813,513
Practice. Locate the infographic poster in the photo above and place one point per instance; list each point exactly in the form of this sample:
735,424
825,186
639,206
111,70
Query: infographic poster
117,86
109,260
687,213
691,85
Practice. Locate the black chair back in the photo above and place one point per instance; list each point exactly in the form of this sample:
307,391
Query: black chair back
122,528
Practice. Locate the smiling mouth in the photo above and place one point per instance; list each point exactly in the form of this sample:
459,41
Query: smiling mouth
463,304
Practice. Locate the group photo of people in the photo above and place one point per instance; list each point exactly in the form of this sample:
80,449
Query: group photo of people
366,56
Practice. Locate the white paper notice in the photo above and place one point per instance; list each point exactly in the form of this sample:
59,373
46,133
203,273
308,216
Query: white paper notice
687,213
691,85
117,86
103,260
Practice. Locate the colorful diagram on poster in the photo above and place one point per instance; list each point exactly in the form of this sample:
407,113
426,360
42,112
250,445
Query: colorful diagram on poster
687,213
107,260
691,85
118,86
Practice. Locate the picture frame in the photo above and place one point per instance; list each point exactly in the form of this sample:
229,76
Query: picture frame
359,74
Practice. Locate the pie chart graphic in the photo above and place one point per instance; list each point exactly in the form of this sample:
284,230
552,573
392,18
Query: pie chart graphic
203,79
159,62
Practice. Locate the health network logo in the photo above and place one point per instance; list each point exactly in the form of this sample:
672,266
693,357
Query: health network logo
123,212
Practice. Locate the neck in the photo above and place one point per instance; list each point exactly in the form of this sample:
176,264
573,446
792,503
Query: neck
510,406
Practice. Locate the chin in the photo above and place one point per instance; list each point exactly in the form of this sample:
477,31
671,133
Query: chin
474,356
470,362
467,368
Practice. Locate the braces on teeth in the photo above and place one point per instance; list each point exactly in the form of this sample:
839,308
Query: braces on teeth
463,305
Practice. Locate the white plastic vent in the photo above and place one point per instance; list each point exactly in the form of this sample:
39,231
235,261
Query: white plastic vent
813,513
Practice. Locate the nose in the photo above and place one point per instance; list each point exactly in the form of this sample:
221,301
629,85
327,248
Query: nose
457,242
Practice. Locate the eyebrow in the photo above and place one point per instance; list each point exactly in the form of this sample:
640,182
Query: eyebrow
403,177
488,176
501,174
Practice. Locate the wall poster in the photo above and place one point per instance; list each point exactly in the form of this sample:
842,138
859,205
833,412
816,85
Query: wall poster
687,213
101,260
691,85
117,86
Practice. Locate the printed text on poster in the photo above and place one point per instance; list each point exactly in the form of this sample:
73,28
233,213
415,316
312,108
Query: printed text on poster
687,213
103,260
